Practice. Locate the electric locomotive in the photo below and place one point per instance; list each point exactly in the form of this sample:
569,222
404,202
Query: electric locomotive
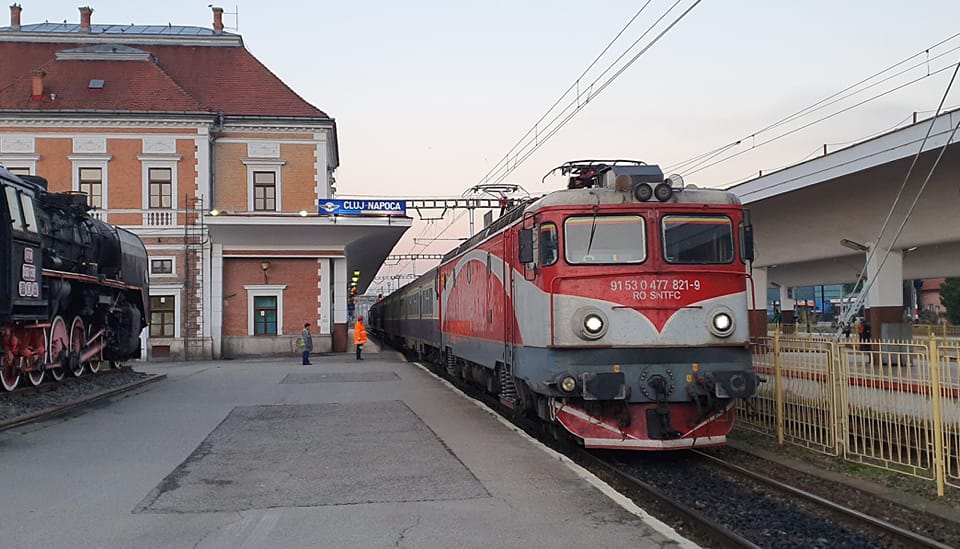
615,308
73,289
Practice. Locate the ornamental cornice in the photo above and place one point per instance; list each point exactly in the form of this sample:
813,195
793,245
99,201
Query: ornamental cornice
278,128
87,122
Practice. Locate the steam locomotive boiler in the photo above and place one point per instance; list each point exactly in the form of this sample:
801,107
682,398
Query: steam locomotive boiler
73,289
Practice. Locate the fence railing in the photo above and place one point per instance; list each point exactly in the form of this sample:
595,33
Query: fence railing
888,404
939,330
150,217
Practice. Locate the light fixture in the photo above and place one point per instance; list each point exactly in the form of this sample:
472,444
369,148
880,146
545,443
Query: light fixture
846,243
265,265
303,213
214,212
663,192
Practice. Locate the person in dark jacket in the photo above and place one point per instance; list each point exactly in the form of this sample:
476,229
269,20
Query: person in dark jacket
306,343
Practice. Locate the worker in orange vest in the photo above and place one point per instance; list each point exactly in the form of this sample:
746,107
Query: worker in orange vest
359,335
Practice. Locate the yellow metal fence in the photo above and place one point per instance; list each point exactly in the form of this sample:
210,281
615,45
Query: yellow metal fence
888,404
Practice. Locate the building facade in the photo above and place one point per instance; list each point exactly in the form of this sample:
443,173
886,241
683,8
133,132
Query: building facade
182,135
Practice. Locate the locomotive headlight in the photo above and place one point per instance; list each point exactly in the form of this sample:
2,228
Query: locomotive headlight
568,384
643,192
663,192
593,324
589,323
721,323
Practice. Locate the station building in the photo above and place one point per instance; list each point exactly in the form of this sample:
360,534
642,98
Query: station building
180,134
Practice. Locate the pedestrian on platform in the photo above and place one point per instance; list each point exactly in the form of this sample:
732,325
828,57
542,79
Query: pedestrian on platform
359,335
306,343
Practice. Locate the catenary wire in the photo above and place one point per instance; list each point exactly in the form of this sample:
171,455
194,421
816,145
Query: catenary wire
819,104
503,168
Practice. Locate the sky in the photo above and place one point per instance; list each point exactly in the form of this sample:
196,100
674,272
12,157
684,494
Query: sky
430,95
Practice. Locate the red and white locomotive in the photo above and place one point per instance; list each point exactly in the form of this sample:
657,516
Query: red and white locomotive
73,289
616,308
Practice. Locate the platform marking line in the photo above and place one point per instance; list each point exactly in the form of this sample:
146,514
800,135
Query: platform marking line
604,488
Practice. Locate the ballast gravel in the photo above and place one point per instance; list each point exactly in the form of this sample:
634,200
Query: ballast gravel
30,401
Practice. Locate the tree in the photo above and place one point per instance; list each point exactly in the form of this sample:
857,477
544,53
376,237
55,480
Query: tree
950,297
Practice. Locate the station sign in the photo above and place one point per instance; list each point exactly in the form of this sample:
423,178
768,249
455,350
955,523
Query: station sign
331,206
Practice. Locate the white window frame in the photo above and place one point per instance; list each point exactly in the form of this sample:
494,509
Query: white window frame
12,161
159,161
173,262
176,290
93,161
264,165
264,290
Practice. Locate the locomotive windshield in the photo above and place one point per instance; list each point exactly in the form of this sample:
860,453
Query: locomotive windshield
697,239
606,239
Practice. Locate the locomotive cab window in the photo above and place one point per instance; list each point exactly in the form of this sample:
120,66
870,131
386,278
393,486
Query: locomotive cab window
697,239
29,213
549,244
604,239
13,206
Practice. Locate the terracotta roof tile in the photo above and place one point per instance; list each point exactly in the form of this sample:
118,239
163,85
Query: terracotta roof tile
221,79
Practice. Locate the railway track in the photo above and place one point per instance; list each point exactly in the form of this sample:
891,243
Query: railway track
889,530
21,407
812,520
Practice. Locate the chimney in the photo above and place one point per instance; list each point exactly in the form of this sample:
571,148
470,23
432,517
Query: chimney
85,13
218,20
37,92
15,10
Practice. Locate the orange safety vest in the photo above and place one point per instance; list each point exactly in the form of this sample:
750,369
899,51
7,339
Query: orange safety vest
359,334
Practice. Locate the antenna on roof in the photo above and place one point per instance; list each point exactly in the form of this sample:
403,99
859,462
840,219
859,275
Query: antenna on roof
236,19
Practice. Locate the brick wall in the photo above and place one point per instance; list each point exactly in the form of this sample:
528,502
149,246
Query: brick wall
299,177
299,298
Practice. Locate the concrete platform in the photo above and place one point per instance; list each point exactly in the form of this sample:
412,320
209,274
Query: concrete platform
268,453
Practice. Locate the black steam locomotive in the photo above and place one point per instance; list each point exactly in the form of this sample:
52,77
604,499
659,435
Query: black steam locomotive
73,289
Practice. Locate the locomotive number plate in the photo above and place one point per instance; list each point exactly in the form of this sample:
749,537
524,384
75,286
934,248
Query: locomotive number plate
29,273
657,289
28,289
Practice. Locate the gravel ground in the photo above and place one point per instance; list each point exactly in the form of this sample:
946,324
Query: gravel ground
922,523
21,402
767,519
919,492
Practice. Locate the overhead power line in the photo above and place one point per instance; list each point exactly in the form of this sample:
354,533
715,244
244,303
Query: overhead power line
577,96
706,160
537,135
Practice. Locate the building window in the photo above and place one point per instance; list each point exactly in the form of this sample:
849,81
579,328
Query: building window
161,187
163,316
265,315
19,171
265,191
264,308
161,266
91,184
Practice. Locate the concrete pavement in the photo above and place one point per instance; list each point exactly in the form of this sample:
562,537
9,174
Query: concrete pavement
268,453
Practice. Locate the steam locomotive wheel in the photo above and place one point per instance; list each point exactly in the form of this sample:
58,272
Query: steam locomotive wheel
56,350
9,376
94,366
36,376
77,339
56,373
